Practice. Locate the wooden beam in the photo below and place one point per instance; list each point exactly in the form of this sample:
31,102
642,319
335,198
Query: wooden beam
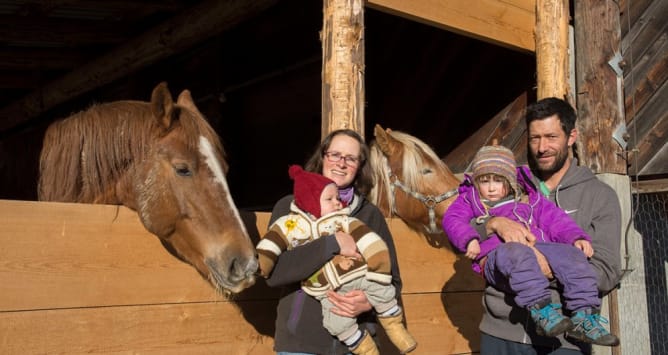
20,80
68,32
203,21
644,80
649,186
136,8
552,49
648,136
508,23
41,59
599,89
631,10
343,66
645,52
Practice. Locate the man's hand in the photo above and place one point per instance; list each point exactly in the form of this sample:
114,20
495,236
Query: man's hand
510,231
585,246
347,245
350,304
542,262
473,249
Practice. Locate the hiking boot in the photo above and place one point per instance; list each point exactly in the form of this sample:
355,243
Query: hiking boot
587,327
398,334
549,321
366,346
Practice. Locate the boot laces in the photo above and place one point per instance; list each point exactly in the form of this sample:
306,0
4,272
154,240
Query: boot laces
548,313
591,325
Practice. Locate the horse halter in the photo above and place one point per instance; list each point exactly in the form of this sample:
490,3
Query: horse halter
430,201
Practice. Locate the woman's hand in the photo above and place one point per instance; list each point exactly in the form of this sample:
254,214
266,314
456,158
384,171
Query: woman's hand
510,231
350,304
347,245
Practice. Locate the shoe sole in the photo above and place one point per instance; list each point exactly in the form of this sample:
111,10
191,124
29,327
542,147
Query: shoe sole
583,338
560,328
406,351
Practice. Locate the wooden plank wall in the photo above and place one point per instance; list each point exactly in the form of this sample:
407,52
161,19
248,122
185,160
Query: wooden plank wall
78,278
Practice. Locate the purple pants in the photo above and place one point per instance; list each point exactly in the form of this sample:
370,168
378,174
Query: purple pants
513,268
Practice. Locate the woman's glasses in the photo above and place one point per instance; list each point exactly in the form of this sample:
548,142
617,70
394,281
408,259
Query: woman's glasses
335,157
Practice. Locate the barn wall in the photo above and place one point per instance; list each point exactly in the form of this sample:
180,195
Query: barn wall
82,278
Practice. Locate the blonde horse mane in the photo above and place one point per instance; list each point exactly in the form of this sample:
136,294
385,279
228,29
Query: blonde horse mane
84,155
413,150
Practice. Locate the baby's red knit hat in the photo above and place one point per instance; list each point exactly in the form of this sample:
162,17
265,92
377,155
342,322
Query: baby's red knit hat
308,187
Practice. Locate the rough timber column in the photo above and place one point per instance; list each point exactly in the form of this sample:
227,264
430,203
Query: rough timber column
552,49
343,65
599,81
602,128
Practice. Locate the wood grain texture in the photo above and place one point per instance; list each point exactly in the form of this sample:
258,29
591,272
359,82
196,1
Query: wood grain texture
599,89
508,23
90,279
343,66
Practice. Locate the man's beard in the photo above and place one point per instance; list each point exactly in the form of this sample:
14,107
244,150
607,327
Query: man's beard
546,170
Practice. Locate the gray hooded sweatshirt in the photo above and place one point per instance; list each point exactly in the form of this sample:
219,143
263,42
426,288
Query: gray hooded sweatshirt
595,208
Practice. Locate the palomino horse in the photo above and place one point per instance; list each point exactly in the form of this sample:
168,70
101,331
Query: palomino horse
163,160
410,181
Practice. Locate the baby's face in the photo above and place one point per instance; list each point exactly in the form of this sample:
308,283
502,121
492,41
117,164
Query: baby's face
329,200
492,187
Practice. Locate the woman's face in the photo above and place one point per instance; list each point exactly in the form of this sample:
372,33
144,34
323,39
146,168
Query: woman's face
347,150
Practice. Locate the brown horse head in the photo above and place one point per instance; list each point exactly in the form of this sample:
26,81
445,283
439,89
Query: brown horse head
163,160
410,181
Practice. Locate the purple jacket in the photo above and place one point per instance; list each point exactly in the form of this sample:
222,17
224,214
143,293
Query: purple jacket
548,222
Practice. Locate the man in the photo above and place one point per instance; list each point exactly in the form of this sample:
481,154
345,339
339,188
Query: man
506,328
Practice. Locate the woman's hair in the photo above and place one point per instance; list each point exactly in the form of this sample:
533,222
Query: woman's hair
363,178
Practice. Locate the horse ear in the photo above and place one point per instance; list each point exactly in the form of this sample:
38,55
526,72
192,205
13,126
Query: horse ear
186,100
162,105
385,141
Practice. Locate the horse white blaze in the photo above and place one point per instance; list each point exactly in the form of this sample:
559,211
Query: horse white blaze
214,165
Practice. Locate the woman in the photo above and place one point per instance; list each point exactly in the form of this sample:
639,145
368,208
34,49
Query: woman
341,157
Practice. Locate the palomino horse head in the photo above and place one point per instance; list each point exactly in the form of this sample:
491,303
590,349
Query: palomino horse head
410,181
163,160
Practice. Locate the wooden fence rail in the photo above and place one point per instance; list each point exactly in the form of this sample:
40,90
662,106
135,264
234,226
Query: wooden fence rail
78,278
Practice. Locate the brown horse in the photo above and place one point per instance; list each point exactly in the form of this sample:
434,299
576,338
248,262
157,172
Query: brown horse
163,160
410,181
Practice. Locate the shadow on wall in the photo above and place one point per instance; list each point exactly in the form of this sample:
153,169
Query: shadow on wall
464,309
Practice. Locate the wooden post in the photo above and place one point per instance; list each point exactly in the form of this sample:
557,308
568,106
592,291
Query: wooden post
552,49
343,65
600,97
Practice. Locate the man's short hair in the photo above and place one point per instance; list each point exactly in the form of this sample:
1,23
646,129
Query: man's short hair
550,106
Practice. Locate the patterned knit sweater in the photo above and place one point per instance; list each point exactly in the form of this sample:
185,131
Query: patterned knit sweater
297,228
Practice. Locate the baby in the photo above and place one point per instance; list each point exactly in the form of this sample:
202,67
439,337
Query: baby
317,211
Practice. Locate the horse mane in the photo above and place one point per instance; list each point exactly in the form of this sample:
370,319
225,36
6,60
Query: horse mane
381,176
84,155
413,149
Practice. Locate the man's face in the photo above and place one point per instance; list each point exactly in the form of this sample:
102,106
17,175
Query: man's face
549,145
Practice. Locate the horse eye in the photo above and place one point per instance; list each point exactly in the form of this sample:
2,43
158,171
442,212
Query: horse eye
426,171
182,170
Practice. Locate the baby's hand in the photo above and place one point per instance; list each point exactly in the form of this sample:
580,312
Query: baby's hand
473,249
585,246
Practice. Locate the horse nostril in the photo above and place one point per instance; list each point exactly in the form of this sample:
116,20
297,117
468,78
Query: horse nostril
242,268
234,267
